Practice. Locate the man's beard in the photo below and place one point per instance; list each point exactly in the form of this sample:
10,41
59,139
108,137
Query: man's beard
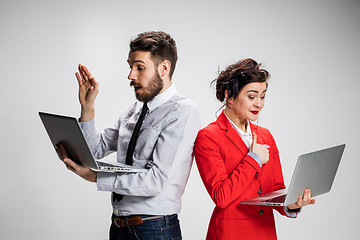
153,89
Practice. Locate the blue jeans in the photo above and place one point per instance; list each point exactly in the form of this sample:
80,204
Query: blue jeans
166,228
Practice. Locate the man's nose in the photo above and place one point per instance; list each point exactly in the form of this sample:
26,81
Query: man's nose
132,75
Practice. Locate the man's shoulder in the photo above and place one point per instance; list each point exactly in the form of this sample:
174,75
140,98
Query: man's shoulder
178,102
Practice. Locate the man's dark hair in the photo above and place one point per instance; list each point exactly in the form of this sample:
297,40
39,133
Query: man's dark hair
161,46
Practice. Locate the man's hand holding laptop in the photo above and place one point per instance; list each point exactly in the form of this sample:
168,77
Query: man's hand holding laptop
84,172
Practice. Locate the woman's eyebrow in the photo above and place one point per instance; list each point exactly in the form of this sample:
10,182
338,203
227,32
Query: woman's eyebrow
255,91
252,91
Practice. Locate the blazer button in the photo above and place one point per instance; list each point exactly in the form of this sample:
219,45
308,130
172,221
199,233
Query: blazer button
260,192
261,212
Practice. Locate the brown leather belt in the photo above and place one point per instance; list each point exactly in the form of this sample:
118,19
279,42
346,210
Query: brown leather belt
132,221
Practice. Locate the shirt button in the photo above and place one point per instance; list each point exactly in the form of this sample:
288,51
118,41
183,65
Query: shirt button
261,212
260,192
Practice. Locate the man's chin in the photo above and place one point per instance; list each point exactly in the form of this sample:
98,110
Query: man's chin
146,95
138,97
143,97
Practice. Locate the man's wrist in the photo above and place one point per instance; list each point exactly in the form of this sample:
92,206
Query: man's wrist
94,177
87,113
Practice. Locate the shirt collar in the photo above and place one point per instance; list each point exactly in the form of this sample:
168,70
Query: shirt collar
161,98
238,130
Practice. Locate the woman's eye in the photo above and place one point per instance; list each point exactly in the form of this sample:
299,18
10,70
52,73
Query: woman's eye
251,97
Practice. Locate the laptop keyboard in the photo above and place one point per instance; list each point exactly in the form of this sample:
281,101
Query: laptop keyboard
102,164
277,199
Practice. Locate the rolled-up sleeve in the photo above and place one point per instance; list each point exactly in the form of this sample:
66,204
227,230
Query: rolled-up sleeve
101,144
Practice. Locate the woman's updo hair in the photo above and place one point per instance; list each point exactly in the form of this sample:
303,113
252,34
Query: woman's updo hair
237,75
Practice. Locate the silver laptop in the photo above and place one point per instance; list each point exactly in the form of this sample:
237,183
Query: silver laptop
66,130
315,170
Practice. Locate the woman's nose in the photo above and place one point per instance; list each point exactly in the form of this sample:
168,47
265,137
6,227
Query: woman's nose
258,102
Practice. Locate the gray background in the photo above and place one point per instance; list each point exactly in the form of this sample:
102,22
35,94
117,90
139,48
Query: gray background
311,48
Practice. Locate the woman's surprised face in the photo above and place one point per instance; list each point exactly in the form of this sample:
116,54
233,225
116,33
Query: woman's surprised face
251,99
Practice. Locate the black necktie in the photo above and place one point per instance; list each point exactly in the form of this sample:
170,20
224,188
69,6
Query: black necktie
132,144
135,135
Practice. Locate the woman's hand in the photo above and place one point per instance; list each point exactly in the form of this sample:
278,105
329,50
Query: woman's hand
303,200
261,150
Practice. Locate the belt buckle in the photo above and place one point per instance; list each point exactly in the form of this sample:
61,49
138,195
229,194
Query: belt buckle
119,222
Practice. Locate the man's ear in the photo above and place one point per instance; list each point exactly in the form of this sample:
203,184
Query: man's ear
164,68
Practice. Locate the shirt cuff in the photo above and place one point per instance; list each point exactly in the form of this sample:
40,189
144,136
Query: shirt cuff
255,157
105,181
292,212
87,124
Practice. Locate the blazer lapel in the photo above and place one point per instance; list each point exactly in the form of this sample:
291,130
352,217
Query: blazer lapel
231,134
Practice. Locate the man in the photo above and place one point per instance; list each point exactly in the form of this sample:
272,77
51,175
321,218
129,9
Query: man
145,204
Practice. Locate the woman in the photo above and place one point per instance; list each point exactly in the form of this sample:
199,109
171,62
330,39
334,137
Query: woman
239,160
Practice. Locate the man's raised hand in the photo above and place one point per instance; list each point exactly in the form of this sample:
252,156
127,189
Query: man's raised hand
88,90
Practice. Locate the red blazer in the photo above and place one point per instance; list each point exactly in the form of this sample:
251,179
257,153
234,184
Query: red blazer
230,176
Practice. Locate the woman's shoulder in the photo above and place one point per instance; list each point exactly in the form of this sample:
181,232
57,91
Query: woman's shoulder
210,131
